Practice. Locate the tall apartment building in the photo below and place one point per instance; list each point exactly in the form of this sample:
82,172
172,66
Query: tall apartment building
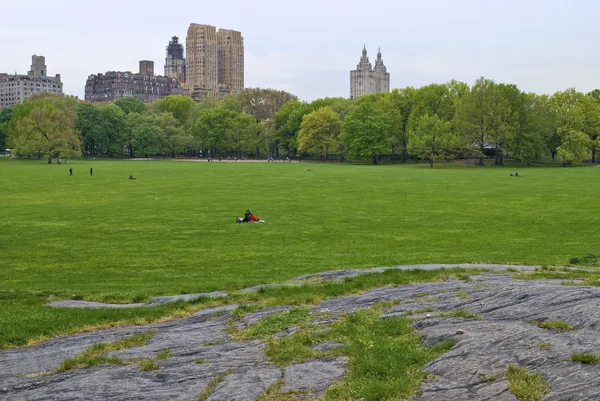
366,79
214,62
175,62
231,60
143,85
15,89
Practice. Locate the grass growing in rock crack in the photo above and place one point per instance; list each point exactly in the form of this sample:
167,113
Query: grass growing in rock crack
586,358
385,355
527,386
275,393
148,364
556,325
462,313
272,324
96,354
491,378
463,294
212,384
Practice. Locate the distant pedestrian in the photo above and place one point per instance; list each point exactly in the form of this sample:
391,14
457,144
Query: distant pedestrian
71,171
90,171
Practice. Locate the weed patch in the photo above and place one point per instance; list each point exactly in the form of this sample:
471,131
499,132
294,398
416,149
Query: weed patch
586,358
556,325
462,313
527,386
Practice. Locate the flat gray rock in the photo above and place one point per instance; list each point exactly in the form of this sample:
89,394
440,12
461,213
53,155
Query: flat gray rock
314,376
186,297
201,349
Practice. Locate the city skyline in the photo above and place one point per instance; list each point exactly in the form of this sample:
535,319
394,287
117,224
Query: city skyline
541,46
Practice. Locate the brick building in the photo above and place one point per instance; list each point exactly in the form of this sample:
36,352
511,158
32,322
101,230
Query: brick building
143,85
15,89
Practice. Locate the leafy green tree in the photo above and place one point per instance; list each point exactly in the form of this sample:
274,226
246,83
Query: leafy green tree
537,132
365,130
433,139
131,105
90,125
433,99
211,129
570,123
591,123
479,116
180,107
172,135
402,100
113,121
5,116
144,135
287,125
319,132
48,132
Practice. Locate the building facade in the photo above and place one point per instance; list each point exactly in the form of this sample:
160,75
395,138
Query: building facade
143,85
231,60
214,62
15,89
366,79
175,62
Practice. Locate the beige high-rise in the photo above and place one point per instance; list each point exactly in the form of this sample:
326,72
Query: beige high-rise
202,60
231,60
215,62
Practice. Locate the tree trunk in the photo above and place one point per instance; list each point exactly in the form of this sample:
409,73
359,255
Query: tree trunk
374,159
431,163
594,156
404,155
49,160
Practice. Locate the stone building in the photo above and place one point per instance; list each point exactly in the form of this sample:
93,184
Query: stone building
15,89
366,79
143,85
231,60
175,62
214,62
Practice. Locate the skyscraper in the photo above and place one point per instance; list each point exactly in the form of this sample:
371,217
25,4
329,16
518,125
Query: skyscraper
214,62
231,60
175,62
202,61
366,79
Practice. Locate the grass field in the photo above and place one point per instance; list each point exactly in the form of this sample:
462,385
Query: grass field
173,230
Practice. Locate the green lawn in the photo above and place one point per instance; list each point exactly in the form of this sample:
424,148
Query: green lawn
173,230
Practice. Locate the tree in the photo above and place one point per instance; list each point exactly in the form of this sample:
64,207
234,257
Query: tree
433,139
477,116
263,103
538,130
5,116
365,130
180,107
319,132
171,134
144,136
89,124
287,125
591,123
113,121
569,109
402,100
212,128
131,105
47,132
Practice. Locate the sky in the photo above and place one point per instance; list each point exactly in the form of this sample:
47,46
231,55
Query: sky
309,47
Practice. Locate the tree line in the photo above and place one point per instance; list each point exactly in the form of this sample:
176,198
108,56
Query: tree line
432,123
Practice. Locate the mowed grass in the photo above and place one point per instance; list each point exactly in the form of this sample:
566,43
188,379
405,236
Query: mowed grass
172,230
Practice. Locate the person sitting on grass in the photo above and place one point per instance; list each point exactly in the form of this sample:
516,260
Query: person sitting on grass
131,177
249,217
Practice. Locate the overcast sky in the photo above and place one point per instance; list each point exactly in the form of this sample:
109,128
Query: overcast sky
308,47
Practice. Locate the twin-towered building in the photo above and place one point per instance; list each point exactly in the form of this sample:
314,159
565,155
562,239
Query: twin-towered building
213,66
367,79
214,62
